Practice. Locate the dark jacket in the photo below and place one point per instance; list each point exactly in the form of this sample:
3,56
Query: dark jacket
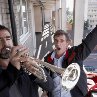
7,78
27,84
77,54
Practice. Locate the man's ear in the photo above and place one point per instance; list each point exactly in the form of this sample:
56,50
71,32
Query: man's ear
69,43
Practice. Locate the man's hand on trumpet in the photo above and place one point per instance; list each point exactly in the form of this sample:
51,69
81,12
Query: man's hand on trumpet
31,66
19,57
28,63
15,56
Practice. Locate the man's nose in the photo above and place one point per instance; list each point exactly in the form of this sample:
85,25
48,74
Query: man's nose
58,42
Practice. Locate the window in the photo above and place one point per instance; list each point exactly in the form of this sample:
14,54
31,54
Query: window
23,18
24,15
90,68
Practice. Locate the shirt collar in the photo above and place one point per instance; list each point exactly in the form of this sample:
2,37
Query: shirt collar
53,55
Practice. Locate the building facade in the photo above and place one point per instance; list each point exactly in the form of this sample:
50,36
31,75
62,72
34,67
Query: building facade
29,17
92,13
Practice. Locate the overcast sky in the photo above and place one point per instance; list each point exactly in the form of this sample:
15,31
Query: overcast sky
69,4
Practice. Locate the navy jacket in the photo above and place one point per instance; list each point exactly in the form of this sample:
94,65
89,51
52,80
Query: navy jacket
77,54
27,84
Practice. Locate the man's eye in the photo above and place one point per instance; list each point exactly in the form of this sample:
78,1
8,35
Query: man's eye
55,41
61,40
8,38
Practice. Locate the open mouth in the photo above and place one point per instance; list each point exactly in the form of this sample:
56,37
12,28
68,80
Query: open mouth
58,48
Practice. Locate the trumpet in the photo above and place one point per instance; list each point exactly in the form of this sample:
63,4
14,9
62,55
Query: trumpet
70,75
34,69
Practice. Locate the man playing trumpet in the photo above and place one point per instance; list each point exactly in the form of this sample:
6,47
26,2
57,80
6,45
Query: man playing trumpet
14,81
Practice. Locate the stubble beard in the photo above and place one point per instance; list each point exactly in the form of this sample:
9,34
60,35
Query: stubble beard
5,52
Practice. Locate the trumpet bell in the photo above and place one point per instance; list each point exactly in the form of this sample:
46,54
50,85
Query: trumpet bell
70,76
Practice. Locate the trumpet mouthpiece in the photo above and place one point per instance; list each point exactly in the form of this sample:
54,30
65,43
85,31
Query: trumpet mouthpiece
5,52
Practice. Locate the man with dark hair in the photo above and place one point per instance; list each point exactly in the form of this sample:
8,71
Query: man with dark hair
2,27
63,56
14,81
62,32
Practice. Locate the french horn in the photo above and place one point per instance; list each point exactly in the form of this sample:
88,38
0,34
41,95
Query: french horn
70,75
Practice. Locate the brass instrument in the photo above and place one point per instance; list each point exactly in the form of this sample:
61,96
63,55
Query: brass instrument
34,69
70,75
